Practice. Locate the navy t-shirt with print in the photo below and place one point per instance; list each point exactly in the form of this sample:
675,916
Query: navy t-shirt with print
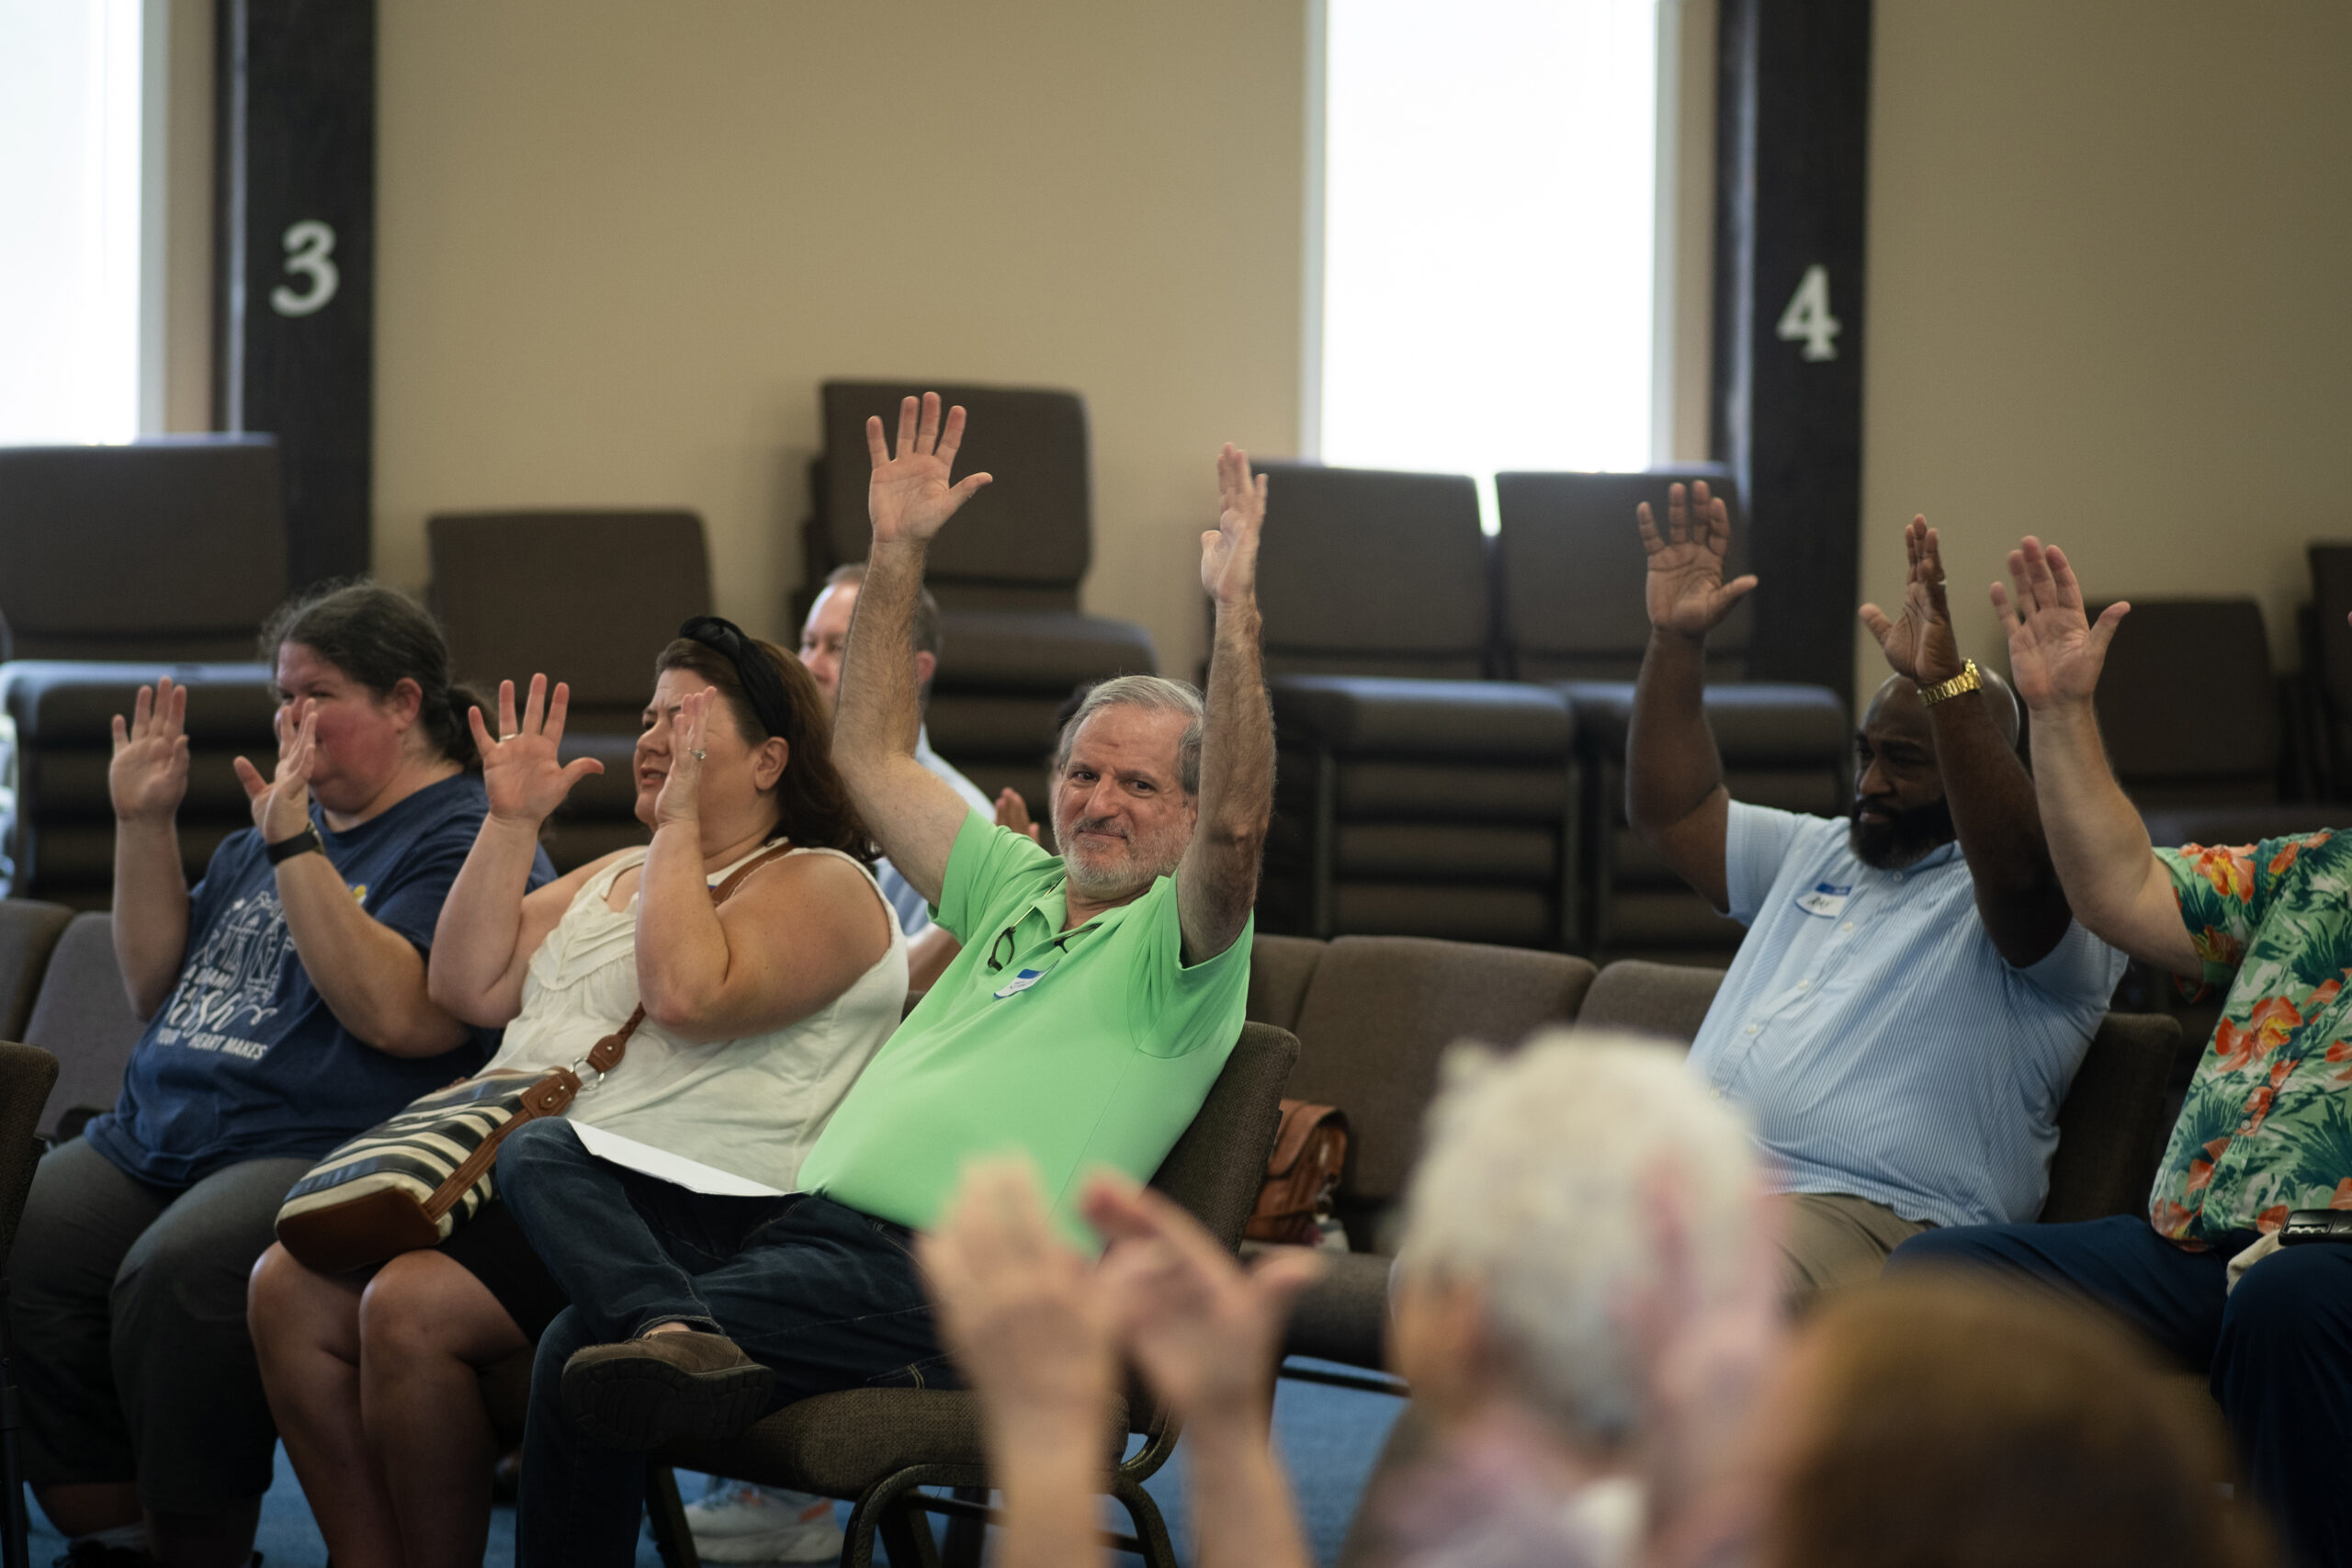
245,1060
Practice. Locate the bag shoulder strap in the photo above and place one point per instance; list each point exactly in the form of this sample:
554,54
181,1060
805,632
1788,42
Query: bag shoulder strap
606,1055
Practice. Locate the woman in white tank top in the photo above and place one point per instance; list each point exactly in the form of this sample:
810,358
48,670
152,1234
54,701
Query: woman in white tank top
759,1015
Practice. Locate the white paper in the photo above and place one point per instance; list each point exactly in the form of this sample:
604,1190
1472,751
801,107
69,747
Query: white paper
676,1170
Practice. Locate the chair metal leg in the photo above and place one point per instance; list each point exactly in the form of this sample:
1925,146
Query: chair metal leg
667,1514
1151,1531
965,1535
16,1552
888,1508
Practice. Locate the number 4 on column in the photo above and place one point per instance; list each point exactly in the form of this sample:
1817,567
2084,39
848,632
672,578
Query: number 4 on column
1807,319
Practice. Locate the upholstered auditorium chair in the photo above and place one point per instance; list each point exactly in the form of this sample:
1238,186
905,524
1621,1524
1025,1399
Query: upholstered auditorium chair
587,598
1414,797
1570,573
2327,668
120,565
1006,572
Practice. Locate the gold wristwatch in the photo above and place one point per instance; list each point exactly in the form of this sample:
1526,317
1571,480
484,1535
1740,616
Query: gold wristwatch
1966,680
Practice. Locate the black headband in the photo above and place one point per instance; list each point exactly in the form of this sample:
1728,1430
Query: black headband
753,670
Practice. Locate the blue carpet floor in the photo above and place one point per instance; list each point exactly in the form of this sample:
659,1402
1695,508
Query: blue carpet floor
1328,1437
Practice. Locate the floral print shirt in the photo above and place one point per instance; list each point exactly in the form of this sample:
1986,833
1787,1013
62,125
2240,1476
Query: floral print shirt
2267,1125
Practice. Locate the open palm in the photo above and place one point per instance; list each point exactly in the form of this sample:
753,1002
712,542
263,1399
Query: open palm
1229,552
1919,643
148,775
910,499
1687,593
2057,651
521,771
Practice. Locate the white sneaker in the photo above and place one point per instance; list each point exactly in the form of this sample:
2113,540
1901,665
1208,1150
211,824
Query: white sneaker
737,1522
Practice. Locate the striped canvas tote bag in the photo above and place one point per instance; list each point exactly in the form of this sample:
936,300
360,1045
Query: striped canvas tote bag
407,1183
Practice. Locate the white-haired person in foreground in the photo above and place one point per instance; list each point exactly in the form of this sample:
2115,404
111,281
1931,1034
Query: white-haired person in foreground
1586,1302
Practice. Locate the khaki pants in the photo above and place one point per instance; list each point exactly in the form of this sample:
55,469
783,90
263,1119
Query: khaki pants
1828,1240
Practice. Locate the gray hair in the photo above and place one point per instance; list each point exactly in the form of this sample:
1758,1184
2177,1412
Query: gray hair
1159,695
1536,1189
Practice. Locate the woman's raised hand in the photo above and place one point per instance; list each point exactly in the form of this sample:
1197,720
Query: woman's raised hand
149,774
680,797
519,767
281,803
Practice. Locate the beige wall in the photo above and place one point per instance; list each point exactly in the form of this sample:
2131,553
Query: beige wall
2107,266
621,244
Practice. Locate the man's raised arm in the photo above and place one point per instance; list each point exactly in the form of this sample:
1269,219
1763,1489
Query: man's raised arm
912,815
2111,875
1987,789
1217,882
1674,777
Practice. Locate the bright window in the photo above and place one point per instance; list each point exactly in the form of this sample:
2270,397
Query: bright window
70,73
1489,201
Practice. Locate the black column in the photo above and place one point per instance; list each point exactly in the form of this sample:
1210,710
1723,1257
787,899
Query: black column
1792,189
295,289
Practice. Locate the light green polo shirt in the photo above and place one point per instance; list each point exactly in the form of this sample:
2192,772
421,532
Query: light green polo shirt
1082,1048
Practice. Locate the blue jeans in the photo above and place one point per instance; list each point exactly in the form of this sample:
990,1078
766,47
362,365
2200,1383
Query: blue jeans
2277,1350
825,1297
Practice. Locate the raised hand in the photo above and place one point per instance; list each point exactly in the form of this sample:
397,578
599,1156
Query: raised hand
1230,552
1012,812
148,775
1687,593
2055,650
281,803
1021,1311
909,498
1205,1332
519,770
680,797
1920,644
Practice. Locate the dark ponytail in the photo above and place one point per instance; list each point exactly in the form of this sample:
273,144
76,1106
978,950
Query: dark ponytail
379,637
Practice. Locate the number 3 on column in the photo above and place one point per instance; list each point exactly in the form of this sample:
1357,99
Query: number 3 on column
1807,319
309,247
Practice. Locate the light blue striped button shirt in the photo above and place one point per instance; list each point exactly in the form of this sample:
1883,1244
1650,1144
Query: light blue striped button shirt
1884,1046
913,911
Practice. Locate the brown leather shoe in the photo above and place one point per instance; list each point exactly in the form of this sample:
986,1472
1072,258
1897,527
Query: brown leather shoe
665,1388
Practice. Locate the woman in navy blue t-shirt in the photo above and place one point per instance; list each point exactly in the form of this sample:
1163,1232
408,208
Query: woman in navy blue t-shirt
286,1010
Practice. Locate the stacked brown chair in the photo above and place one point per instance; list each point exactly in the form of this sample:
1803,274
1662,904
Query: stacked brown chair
82,1016
1375,1020
1006,572
2327,668
28,933
881,1447
120,565
587,598
2173,657
1415,796
1570,572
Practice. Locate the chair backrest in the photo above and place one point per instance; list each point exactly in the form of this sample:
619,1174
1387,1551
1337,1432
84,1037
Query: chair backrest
1367,572
1378,1015
1023,543
26,1074
1216,1168
82,1015
1669,1000
588,598
2110,1120
171,549
1280,969
1570,568
28,933
2177,656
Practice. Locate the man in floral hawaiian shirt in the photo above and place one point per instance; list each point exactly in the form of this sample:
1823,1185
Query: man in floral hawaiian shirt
2266,1126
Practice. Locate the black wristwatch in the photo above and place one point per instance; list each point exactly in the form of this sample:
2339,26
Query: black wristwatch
301,843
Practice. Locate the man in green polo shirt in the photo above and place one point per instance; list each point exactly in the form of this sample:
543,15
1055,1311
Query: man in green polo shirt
1094,1004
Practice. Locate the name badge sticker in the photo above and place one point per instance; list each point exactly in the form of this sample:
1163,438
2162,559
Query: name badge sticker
1020,982
1827,900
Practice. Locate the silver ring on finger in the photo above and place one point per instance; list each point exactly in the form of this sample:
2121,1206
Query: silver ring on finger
700,753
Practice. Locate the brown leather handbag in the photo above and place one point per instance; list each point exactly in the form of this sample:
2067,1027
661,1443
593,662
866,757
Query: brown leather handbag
407,1183
1302,1174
